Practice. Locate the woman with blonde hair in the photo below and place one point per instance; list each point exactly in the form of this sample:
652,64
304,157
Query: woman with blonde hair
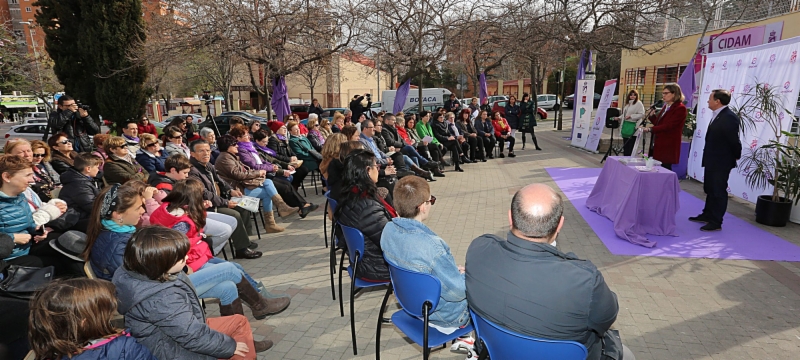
121,166
338,122
325,128
45,178
314,134
150,155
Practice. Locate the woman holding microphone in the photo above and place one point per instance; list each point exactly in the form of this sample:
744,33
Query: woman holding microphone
668,127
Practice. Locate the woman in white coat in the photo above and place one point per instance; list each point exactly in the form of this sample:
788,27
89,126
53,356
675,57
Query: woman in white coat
633,112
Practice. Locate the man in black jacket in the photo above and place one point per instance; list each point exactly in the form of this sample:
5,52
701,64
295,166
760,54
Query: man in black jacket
358,108
73,121
81,188
723,148
219,193
315,107
525,284
452,105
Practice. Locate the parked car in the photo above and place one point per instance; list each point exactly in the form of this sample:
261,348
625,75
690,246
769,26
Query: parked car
548,101
247,116
301,110
222,124
569,101
29,132
465,103
494,98
328,113
415,109
34,115
33,121
501,107
196,119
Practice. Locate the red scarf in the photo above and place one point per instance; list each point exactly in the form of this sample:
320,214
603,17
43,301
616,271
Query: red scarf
385,204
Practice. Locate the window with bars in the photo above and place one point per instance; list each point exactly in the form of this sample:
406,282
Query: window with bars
667,75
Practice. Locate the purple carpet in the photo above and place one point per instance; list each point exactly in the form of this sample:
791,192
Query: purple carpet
738,240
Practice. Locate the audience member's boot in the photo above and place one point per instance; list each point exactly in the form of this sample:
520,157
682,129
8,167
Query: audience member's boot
234,308
427,175
247,253
437,173
283,209
307,208
269,223
259,305
431,165
261,346
458,166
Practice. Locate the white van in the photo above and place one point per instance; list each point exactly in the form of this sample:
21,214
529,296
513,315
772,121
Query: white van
35,118
430,97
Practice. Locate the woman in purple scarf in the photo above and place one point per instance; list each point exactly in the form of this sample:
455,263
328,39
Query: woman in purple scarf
249,156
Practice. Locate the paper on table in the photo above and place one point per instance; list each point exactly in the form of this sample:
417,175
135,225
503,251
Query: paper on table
427,139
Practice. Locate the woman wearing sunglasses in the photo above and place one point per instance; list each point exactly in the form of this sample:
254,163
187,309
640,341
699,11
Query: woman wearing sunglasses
150,155
173,142
45,178
63,153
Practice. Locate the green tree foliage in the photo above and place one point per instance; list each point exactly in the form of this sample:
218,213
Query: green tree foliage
11,59
91,43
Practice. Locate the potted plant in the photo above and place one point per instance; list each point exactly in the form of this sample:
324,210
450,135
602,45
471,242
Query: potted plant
776,163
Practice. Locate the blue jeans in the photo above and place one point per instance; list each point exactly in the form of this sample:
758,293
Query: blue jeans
265,192
218,278
412,153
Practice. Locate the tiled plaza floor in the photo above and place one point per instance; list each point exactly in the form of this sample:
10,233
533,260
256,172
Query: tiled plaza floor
670,308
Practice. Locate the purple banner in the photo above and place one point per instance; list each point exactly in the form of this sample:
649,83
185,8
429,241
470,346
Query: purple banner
280,98
688,84
400,97
482,89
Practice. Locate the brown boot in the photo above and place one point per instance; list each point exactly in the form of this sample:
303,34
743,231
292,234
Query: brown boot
234,308
270,225
283,209
259,305
262,346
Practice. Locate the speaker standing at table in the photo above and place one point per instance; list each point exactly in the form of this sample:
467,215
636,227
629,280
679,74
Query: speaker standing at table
722,149
665,145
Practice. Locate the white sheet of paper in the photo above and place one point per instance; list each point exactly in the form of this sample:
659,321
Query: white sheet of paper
427,139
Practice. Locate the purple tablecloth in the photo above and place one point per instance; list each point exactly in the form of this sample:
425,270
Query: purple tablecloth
637,202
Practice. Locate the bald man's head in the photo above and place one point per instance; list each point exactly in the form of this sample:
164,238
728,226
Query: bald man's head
536,212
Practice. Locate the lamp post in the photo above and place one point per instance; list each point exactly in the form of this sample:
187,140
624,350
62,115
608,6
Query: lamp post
35,59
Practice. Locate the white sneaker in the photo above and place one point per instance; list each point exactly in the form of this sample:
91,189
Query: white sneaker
464,343
472,355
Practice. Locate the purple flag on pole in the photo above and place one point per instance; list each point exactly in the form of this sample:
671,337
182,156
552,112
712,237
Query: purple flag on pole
483,91
688,84
581,75
280,98
400,97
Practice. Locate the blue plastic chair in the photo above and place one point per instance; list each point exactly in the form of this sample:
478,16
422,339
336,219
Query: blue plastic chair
418,293
330,202
354,240
502,344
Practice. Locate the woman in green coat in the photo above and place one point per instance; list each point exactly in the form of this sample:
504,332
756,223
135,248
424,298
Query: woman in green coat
302,147
528,120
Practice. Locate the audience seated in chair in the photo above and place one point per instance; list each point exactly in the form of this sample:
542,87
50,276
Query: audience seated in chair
525,284
71,319
120,167
409,244
150,156
81,188
363,208
162,308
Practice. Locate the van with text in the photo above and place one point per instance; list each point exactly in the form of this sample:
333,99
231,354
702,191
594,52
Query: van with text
430,97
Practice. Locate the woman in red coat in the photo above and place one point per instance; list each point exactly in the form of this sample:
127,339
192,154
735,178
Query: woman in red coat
668,127
145,126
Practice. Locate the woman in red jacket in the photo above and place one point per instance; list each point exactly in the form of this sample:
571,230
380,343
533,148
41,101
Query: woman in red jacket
502,133
145,126
668,127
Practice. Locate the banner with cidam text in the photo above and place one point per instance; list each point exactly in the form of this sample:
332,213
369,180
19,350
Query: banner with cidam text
774,65
600,117
583,103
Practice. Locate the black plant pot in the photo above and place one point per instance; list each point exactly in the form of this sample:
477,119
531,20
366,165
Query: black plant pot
772,213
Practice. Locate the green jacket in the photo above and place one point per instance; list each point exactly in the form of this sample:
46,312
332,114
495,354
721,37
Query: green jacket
424,130
302,148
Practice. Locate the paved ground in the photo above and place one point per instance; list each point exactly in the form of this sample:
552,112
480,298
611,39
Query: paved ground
669,308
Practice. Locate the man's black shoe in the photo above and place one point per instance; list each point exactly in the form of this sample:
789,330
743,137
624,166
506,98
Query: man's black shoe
711,227
511,155
698,219
252,246
490,156
501,155
247,254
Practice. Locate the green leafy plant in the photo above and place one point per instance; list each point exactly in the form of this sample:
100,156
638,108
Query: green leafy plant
690,125
776,163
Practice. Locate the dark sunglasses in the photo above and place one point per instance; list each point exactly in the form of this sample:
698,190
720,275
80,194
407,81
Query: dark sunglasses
38,155
432,200
150,144
176,137
65,142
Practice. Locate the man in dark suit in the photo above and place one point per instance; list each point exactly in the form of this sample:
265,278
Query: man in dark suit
722,150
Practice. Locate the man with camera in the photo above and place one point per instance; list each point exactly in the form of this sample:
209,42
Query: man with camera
358,108
74,120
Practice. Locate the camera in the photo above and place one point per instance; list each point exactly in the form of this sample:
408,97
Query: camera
369,97
85,107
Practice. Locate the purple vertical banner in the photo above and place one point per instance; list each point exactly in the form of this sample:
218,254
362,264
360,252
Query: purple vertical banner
688,84
483,90
280,98
400,97
581,74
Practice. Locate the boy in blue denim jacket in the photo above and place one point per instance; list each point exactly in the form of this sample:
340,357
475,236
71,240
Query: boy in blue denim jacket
407,242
